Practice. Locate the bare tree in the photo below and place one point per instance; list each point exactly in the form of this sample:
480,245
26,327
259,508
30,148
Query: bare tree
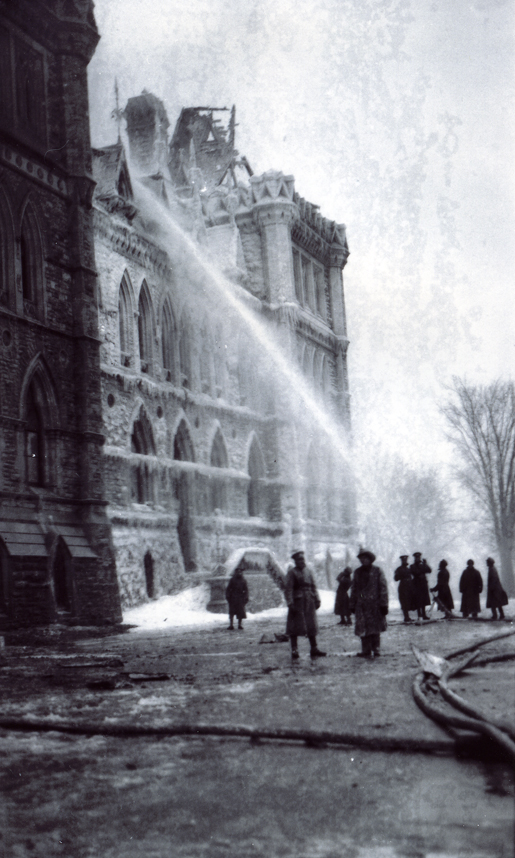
482,428
403,508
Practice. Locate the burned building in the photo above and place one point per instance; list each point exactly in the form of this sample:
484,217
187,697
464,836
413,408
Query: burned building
172,344
206,272
56,555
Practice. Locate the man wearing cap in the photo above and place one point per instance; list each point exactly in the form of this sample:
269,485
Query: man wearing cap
369,602
303,601
419,569
403,575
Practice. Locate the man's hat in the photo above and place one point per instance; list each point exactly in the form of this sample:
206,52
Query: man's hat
490,561
363,552
297,553
417,554
470,562
403,556
443,563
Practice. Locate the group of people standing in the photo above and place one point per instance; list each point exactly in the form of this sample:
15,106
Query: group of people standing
414,589
364,593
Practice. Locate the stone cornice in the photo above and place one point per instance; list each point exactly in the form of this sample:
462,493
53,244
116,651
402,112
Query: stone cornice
33,169
129,243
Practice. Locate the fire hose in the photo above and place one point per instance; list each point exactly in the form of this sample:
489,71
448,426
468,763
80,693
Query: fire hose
312,738
434,677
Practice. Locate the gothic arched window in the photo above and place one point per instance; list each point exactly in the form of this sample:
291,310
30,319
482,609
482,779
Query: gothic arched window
218,459
145,329
206,350
256,470
31,264
219,362
312,485
125,322
168,341
142,443
185,353
34,440
182,444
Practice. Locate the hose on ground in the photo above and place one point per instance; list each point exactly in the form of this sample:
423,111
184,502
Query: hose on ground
495,729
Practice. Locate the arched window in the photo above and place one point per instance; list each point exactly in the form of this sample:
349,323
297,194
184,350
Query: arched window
312,485
218,459
142,443
40,415
307,364
125,322
219,362
148,565
182,444
184,491
145,329
206,352
327,381
246,374
321,302
185,353
34,439
331,495
168,341
297,277
61,577
31,264
256,469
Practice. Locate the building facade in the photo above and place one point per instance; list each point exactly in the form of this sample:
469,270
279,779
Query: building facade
56,554
223,355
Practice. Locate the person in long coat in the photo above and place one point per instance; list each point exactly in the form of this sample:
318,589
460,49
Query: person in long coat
369,602
419,569
403,575
303,601
496,596
471,585
237,595
341,602
442,590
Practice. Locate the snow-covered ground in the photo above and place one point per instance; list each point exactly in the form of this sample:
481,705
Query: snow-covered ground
189,609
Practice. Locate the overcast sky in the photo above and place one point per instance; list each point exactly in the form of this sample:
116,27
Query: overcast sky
398,119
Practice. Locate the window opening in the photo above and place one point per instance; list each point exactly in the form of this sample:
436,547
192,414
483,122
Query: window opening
35,449
148,564
256,473
61,576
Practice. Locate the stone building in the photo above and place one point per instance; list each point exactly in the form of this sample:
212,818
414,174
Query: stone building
56,553
222,322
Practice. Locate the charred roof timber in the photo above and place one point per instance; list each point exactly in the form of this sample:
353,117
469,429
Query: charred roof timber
202,144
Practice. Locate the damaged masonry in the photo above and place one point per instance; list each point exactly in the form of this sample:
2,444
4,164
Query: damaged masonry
150,430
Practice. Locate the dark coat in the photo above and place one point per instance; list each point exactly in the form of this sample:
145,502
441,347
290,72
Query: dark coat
237,594
341,603
420,585
442,589
496,597
403,575
368,595
471,585
303,600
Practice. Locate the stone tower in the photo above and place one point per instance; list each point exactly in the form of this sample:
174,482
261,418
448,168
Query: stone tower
56,555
